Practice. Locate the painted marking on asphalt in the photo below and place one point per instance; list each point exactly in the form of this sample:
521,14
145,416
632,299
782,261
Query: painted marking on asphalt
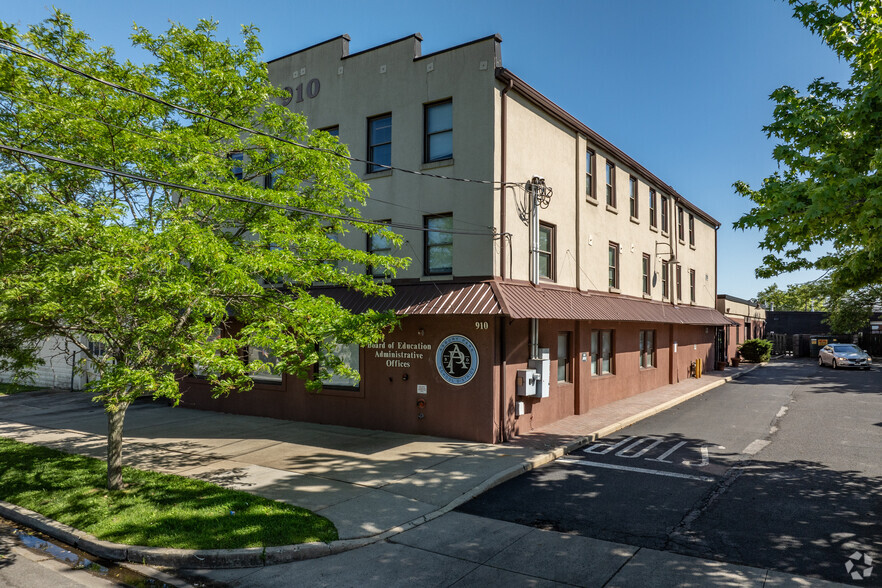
667,453
756,447
637,443
704,459
611,466
597,448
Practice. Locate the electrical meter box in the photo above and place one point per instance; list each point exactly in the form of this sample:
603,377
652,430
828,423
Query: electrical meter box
542,365
526,383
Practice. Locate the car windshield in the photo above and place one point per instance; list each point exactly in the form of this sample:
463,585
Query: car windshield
846,349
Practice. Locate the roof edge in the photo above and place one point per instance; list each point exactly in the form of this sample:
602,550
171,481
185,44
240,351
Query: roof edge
344,36
568,119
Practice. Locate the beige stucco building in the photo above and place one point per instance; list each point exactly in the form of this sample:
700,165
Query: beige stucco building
620,298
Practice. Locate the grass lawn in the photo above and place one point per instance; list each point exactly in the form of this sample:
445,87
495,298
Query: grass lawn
10,389
159,510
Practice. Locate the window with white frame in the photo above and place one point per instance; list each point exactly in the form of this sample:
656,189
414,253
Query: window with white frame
610,184
379,143
546,251
438,255
613,265
602,352
589,175
378,245
647,349
439,131
632,195
348,353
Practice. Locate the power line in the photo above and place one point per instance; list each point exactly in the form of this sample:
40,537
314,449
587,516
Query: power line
285,207
14,47
157,138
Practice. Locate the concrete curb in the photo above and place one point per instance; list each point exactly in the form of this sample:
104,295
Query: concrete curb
258,556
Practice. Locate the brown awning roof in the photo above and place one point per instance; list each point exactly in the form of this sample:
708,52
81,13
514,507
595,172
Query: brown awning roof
423,298
523,300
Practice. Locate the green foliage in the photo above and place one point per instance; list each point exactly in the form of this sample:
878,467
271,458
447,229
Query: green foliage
810,296
756,350
851,312
149,272
10,388
829,190
159,510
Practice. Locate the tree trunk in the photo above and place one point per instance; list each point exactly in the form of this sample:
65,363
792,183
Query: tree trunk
114,446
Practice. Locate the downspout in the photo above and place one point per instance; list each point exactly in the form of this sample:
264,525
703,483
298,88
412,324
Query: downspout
504,187
502,259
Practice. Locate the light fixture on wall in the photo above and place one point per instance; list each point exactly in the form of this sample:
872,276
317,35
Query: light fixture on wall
421,332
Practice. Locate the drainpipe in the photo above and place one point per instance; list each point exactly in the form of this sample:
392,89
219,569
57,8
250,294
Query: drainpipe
503,188
502,259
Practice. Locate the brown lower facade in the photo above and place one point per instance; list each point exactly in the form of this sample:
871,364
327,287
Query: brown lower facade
457,375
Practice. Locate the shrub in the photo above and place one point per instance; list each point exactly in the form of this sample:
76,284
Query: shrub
756,350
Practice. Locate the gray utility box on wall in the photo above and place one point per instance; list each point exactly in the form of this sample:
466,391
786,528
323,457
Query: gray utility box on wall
526,383
542,365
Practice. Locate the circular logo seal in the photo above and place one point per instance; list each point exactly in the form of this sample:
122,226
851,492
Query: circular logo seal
457,360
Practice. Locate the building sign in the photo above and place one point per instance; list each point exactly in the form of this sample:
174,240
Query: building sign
457,360
398,354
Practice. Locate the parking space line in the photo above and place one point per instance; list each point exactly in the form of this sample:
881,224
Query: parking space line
611,466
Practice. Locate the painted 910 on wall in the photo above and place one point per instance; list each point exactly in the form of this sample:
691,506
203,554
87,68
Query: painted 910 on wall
457,360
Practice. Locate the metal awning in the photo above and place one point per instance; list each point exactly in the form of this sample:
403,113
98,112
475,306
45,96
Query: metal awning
423,298
522,300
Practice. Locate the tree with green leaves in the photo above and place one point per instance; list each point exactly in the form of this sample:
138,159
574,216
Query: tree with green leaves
186,225
829,190
808,296
851,311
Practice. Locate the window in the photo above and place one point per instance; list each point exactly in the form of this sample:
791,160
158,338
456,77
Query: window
333,131
546,251
680,228
692,285
439,245
664,214
379,143
378,245
601,353
653,213
610,184
692,230
633,197
263,374
646,266
679,283
589,175
347,353
563,357
613,265
439,131
664,277
239,159
647,349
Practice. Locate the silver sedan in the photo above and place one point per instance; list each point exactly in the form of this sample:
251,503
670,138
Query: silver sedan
840,355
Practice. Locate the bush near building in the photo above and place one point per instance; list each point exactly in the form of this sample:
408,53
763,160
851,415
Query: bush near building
756,350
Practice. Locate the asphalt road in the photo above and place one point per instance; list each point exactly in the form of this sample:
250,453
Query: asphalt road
780,469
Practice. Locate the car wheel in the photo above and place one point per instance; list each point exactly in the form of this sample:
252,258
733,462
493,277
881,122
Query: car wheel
833,364
820,361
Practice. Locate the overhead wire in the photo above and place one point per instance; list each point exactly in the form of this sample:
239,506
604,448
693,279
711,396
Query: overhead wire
163,140
16,48
183,188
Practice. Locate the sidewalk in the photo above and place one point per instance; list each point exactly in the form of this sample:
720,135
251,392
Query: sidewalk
373,485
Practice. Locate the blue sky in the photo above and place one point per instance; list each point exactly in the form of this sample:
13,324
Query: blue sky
685,82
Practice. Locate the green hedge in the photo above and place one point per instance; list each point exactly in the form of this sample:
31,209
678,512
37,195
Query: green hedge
756,350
